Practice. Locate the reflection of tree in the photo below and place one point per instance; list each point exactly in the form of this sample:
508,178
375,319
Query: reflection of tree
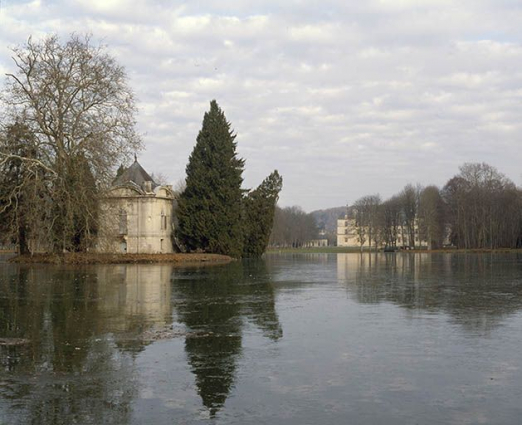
258,299
476,290
212,303
72,370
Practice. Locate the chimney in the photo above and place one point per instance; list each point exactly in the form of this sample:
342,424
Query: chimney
147,186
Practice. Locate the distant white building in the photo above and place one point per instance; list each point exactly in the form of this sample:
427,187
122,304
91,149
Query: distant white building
347,233
316,243
136,215
350,235
320,242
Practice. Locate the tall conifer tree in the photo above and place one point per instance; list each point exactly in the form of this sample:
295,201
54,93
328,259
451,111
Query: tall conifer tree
210,208
260,207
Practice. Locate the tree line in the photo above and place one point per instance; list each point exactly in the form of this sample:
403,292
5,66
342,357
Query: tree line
292,228
70,119
479,208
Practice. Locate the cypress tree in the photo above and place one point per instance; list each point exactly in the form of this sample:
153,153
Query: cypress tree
210,208
260,207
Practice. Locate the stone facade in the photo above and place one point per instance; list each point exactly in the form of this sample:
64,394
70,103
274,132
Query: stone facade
316,243
348,235
136,215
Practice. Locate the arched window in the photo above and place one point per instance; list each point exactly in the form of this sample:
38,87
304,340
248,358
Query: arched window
123,222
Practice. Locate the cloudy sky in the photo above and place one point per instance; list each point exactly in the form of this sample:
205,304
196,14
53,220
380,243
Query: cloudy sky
344,98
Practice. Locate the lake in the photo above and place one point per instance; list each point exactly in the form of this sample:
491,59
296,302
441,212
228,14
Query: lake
291,339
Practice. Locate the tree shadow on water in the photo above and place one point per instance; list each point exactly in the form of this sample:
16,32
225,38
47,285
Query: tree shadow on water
216,305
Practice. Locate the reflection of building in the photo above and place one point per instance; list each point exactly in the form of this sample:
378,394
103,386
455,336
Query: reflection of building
136,215
135,294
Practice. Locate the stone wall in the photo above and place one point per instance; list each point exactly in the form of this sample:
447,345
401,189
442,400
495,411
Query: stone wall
136,223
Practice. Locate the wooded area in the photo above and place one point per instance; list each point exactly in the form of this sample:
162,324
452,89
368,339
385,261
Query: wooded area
478,208
292,228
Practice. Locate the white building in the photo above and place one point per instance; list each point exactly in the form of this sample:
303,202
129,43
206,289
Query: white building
136,215
350,235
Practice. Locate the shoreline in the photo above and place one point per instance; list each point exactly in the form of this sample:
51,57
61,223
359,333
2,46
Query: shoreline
349,250
87,258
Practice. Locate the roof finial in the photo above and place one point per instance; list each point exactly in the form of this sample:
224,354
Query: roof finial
135,157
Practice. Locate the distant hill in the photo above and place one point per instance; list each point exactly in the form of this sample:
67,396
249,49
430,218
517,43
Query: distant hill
327,219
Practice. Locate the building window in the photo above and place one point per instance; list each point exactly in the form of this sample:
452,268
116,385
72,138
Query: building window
163,221
123,222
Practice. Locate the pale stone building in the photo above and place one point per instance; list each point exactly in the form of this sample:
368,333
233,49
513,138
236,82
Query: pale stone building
136,215
349,234
316,243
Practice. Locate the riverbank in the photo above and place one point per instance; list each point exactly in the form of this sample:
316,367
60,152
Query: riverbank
352,250
87,258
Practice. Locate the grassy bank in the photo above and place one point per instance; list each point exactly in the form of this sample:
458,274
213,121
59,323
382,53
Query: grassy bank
340,250
326,249
88,258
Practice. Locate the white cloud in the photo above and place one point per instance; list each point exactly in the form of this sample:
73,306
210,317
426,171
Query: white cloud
383,92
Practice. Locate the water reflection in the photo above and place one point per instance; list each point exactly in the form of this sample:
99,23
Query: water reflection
134,298
213,304
72,336
65,371
477,291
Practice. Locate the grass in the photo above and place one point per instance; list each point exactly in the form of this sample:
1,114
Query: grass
342,249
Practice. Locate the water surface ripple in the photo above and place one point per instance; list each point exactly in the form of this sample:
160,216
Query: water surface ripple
291,339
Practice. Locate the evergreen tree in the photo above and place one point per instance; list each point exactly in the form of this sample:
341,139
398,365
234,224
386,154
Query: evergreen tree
210,208
21,186
260,207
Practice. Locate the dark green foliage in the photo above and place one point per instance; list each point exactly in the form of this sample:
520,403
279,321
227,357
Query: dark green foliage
210,208
75,212
259,215
19,185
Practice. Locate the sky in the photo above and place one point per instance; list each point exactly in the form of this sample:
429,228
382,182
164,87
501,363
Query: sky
344,98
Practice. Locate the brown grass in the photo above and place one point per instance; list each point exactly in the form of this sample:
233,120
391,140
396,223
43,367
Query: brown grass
87,258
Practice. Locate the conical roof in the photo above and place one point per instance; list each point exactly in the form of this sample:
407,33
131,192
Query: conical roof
136,174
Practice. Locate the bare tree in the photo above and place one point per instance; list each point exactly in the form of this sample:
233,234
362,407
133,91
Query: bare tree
391,221
484,208
409,199
367,220
431,217
292,227
75,101
160,178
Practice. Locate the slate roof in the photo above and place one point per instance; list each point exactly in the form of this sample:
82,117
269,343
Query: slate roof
136,174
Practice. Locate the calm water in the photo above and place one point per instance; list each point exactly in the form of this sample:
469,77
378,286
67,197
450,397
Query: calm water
292,339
